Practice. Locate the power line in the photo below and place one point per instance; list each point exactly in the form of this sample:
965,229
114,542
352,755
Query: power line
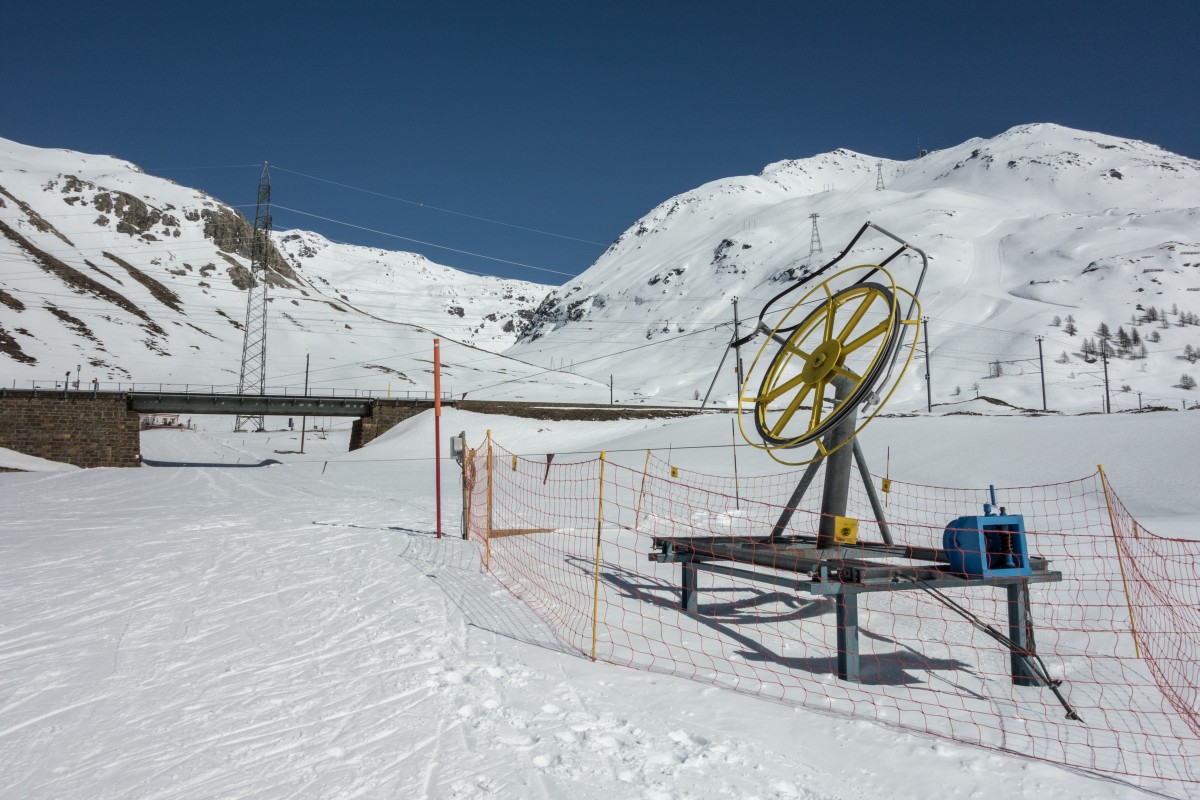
427,244
610,355
442,210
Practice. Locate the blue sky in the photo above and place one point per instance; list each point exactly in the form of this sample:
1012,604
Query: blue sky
568,118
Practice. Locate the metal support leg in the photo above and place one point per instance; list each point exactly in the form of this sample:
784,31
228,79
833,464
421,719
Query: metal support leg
1018,632
836,491
847,635
794,501
688,597
872,495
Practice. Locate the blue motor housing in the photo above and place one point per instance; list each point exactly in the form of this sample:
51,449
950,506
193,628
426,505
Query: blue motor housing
987,546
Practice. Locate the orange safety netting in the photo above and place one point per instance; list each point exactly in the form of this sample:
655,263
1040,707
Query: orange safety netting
1121,629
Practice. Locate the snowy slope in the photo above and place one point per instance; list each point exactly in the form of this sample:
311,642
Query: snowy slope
297,631
1024,230
139,279
395,285
1041,231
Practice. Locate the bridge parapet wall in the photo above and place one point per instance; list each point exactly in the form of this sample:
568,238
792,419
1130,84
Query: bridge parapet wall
87,429
385,414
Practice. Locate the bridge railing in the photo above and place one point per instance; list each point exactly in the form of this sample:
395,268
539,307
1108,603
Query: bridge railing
72,385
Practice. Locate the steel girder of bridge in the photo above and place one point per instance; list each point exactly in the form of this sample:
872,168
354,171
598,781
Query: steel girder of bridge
275,405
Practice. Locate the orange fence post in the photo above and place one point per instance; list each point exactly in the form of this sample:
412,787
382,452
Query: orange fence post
1112,521
637,513
487,547
468,463
596,586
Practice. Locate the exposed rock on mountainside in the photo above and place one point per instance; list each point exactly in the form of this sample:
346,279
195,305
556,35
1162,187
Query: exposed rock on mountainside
1038,221
123,265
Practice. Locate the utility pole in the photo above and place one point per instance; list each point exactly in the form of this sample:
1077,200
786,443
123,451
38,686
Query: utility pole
928,382
814,242
737,350
610,390
1104,357
1042,368
304,419
253,376
437,428
1139,401
724,355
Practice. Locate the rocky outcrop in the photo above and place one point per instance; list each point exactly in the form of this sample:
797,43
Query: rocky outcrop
230,232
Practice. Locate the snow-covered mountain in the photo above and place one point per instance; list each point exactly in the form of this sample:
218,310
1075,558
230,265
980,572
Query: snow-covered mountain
139,279
1040,231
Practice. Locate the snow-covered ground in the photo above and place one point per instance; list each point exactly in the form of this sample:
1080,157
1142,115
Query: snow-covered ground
298,631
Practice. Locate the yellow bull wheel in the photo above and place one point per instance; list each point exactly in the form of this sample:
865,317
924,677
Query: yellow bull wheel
827,365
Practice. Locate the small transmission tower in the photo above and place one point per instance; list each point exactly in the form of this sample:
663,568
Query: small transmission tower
253,376
879,176
814,243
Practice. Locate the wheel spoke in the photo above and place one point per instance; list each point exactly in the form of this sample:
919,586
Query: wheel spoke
876,331
781,389
855,318
846,372
790,347
818,403
793,406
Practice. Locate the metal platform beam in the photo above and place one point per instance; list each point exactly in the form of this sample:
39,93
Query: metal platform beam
843,573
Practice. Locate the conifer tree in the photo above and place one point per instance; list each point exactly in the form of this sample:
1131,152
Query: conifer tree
1123,340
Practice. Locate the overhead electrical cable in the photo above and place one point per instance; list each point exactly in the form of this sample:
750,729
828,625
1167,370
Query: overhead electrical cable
437,208
606,355
419,241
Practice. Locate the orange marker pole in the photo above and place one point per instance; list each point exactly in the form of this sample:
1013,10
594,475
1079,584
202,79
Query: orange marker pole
437,428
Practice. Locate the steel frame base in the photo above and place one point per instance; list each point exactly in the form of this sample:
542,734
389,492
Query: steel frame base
844,573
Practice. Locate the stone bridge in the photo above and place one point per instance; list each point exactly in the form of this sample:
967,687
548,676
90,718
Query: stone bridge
100,429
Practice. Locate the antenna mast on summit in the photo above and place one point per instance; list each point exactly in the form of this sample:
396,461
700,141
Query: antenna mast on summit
253,376
814,243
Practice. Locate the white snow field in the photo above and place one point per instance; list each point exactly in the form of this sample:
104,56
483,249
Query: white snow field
298,631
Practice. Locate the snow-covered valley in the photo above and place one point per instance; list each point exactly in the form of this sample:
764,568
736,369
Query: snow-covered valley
299,631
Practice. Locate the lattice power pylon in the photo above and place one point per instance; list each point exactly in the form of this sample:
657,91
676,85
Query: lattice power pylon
253,376
814,242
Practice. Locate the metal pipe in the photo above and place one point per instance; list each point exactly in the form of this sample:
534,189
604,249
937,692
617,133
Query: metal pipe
872,495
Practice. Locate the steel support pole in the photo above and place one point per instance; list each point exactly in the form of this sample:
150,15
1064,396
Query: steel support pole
847,635
1042,369
928,379
1018,633
437,428
793,502
304,418
716,375
738,349
836,491
688,594
1104,357
872,495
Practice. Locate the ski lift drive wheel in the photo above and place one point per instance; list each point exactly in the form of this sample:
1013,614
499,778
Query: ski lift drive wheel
848,340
